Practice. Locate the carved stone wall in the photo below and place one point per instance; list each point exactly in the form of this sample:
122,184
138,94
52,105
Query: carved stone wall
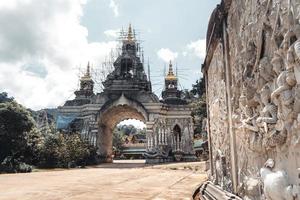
218,113
258,44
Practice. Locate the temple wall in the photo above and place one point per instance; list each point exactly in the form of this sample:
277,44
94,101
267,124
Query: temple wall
217,106
262,42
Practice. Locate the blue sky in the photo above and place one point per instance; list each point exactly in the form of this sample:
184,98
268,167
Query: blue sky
45,44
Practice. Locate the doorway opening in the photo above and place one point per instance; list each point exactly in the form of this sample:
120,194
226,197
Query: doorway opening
129,140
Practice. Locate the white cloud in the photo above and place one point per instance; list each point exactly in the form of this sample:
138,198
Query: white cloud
198,48
166,54
112,33
42,43
136,123
115,7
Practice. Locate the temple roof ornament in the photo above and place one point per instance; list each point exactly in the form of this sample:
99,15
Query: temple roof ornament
130,35
171,75
87,75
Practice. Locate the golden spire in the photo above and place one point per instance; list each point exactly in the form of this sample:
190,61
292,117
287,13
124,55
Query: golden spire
171,75
130,34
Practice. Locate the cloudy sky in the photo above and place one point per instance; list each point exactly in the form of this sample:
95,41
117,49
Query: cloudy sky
44,43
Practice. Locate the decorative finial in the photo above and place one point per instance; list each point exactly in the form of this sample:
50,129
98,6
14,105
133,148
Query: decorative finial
88,69
130,34
170,68
170,75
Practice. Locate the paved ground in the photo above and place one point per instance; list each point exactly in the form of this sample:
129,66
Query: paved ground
108,181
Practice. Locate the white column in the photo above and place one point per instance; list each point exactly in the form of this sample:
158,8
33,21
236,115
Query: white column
162,136
159,136
148,142
178,146
165,136
174,142
181,144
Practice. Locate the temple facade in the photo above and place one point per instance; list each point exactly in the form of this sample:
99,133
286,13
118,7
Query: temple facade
127,94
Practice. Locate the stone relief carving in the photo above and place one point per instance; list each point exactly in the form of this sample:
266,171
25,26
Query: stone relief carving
264,51
253,137
221,170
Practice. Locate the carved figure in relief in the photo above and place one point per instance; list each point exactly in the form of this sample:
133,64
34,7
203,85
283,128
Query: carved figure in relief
265,74
253,137
294,63
282,96
268,120
275,183
221,170
269,112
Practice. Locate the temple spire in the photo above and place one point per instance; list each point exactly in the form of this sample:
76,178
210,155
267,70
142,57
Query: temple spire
130,36
170,69
88,70
170,75
87,74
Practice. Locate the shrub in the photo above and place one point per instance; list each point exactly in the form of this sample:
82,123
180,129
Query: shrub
66,150
12,165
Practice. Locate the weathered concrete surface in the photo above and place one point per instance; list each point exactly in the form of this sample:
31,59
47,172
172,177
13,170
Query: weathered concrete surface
109,181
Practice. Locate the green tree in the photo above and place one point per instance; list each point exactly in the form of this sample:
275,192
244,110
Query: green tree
196,97
198,88
66,150
4,98
118,139
15,127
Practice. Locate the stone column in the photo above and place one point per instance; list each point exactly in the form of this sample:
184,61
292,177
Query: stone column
104,142
164,136
148,142
177,142
149,137
159,136
173,139
172,142
150,132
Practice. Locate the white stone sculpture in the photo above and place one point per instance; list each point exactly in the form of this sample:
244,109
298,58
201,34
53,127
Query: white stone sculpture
276,186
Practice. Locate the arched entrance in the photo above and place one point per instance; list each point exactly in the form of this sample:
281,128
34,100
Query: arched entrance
112,115
177,137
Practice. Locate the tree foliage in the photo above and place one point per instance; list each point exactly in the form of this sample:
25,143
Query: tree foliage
198,88
4,97
66,150
16,125
19,140
196,97
22,144
118,140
